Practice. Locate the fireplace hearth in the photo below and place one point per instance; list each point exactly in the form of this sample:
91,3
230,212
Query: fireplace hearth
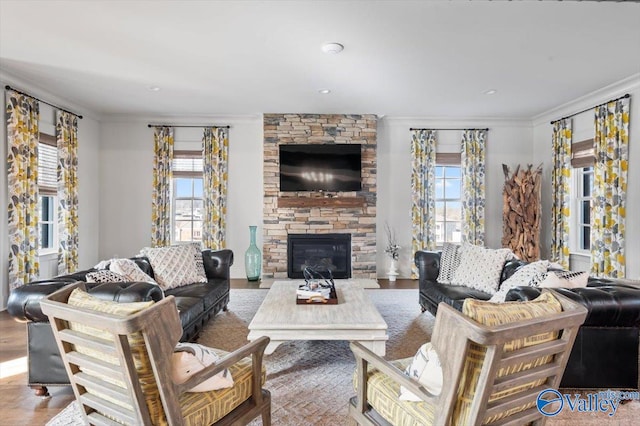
327,251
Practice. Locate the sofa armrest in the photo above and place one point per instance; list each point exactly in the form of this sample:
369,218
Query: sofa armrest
217,263
428,263
24,302
616,305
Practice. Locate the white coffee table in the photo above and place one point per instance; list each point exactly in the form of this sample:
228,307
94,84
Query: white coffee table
353,318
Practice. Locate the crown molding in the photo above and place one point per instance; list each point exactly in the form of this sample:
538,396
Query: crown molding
212,120
479,122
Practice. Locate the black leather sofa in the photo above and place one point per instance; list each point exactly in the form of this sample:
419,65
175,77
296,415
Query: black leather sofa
196,303
605,353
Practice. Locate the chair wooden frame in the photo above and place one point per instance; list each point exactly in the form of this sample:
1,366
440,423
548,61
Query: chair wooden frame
452,335
161,328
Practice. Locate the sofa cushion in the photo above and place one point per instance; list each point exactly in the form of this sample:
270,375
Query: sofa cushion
190,309
174,266
209,293
480,268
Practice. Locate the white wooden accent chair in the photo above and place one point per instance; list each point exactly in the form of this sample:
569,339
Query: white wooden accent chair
120,368
505,392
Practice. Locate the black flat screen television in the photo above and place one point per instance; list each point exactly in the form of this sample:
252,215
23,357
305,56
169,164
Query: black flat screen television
320,167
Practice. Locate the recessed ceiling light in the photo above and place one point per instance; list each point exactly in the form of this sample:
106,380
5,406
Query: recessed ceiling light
324,91
332,48
154,88
490,92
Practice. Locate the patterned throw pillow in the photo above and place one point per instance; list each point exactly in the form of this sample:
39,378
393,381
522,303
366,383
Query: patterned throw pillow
494,314
426,369
449,262
189,358
105,276
480,268
529,275
174,266
131,271
566,279
199,261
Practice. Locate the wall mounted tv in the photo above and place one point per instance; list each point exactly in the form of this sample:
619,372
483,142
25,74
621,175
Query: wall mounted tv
320,167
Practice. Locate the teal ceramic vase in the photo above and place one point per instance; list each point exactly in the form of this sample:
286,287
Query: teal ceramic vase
253,257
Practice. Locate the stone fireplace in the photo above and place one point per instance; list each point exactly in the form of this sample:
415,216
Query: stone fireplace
325,251
315,212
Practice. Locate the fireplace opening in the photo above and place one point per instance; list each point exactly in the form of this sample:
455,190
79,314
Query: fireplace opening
329,251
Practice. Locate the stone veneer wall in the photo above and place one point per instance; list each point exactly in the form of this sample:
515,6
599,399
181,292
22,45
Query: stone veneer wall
360,222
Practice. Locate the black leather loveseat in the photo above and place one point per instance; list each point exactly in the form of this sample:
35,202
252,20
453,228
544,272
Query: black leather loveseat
196,303
605,353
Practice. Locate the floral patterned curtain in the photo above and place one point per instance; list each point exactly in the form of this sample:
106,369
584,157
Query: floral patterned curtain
162,175
67,139
473,189
423,193
561,191
215,145
609,189
22,114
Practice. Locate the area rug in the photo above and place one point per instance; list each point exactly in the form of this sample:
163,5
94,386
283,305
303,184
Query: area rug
311,381
364,282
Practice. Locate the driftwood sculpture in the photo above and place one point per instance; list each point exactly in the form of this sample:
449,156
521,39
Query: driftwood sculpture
521,212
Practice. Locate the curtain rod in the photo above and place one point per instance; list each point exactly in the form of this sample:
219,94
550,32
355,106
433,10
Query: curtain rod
412,128
183,125
40,100
626,95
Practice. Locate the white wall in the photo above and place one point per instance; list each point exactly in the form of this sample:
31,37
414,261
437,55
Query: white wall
583,129
88,188
126,173
508,142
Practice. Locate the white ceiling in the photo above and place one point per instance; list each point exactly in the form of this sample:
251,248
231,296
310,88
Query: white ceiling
401,58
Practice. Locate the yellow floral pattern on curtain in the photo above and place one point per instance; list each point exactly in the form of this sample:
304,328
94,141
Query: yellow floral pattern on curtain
561,191
473,188
215,145
67,140
423,205
161,196
608,201
22,115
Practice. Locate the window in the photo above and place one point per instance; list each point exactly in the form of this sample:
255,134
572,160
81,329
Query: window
47,193
448,204
583,184
187,198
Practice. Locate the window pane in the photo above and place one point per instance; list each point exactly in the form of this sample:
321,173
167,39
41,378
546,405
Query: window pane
183,187
197,231
197,188
439,171
183,230
439,189
587,184
46,235
452,172
183,209
454,211
453,234
439,211
198,209
44,208
452,189
439,232
586,212
586,238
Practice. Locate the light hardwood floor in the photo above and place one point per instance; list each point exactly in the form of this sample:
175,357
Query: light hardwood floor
18,403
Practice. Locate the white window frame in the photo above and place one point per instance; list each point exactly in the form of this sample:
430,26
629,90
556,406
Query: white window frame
49,191
447,160
194,175
577,222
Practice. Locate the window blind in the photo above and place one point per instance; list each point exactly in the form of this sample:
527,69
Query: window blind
448,158
47,165
583,154
187,164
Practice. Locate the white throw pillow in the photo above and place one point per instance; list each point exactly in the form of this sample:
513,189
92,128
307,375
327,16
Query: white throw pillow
130,270
174,266
104,276
480,268
530,275
199,261
566,279
449,262
426,369
189,358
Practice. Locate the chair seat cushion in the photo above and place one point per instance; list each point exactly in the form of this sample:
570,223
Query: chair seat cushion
382,394
205,408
